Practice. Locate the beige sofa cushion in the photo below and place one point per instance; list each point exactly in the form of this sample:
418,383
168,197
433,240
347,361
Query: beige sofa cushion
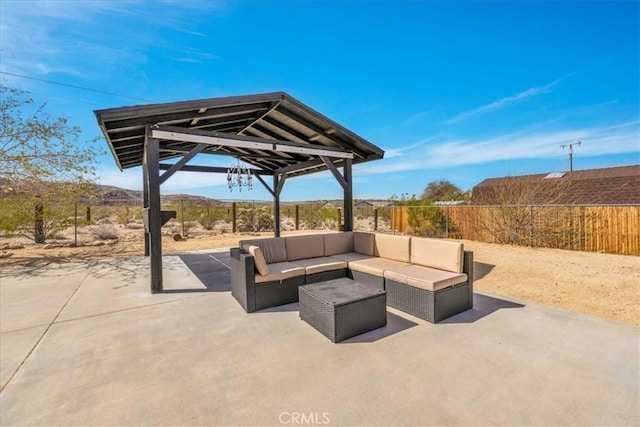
427,278
273,249
364,243
375,266
258,258
301,247
319,265
393,247
338,243
437,253
279,271
351,256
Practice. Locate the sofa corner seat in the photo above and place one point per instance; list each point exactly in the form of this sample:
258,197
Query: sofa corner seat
429,278
431,294
254,295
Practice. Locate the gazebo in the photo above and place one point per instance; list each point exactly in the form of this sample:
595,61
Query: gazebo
274,134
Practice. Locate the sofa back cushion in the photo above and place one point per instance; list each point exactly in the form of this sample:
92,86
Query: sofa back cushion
364,243
273,250
258,258
338,243
437,253
301,247
393,247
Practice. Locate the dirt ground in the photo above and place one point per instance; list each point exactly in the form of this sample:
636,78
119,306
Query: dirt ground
602,285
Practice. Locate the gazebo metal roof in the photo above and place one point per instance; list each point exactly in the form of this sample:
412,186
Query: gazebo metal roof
272,132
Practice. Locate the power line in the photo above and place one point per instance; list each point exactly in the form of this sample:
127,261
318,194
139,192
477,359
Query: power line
75,87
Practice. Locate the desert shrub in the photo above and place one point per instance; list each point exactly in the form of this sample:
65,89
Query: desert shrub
208,223
210,216
104,232
37,219
310,217
222,227
424,218
258,219
331,218
287,224
127,214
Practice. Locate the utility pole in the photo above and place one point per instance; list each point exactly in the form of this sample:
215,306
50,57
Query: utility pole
571,153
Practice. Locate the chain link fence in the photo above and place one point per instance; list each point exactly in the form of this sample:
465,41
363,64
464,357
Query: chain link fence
611,229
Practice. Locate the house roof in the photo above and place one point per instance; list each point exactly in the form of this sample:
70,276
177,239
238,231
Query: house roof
272,132
605,186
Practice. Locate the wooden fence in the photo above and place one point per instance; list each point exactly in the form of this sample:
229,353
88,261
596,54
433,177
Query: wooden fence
608,229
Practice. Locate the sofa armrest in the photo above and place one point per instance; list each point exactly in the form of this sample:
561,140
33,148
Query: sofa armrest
243,279
467,267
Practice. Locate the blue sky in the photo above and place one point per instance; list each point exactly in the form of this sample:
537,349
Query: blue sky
460,91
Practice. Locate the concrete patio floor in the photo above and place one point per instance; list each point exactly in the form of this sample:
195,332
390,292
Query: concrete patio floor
87,344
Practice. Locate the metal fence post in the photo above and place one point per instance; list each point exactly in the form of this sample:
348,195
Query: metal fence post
182,216
375,219
531,242
75,224
446,224
253,215
234,222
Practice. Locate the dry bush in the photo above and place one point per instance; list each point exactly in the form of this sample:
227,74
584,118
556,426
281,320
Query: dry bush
510,218
104,232
222,227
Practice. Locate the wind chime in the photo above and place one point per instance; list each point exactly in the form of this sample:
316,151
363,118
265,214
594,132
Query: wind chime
239,176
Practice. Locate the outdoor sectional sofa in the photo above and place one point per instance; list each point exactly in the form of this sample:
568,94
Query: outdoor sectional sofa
428,278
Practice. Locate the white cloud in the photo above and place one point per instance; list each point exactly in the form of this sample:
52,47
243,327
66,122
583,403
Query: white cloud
614,139
390,153
502,103
47,37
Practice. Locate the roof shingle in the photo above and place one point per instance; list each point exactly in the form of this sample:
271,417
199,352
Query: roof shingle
605,186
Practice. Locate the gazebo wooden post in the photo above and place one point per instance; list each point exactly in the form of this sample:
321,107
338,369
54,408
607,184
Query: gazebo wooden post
276,207
278,183
145,205
154,216
348,196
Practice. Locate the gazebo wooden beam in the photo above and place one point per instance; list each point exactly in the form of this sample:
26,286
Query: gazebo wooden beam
172,133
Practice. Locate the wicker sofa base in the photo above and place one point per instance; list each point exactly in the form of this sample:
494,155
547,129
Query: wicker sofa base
325,275
369,279
428,305
273,294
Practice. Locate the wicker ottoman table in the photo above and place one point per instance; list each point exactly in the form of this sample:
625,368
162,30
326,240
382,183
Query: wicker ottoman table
343,308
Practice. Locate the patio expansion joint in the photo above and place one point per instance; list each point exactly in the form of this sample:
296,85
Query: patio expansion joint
216,259
44,333
124,310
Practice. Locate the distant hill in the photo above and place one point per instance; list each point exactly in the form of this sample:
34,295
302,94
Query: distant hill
110,195
107,194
